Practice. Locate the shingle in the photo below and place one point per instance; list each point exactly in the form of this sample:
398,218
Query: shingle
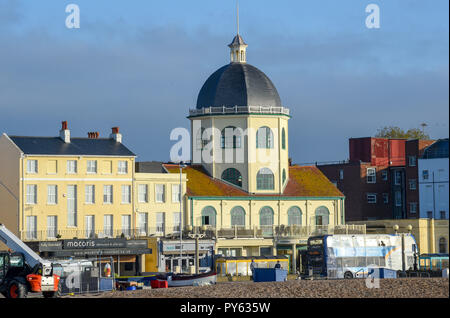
76,147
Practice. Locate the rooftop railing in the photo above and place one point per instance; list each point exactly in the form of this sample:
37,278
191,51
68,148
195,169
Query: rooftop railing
239,110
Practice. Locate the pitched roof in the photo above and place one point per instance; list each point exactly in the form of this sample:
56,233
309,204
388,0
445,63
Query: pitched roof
304,181
76,147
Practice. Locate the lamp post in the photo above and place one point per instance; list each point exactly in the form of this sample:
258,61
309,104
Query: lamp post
196,236
182,165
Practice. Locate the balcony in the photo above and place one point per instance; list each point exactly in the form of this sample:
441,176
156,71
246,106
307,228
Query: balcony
239,110
236,232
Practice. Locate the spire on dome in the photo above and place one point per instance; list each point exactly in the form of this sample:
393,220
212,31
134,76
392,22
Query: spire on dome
238,47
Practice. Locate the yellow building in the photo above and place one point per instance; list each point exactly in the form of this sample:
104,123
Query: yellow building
63,187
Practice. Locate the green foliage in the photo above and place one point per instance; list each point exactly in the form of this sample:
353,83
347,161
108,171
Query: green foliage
396,132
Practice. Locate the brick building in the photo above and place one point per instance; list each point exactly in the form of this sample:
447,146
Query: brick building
378,179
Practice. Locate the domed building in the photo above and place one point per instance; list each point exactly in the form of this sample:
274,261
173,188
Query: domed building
240,185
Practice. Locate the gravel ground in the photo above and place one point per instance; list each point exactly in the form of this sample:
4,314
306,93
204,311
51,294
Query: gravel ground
356,288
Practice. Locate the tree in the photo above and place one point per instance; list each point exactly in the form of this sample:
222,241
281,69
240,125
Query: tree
396,132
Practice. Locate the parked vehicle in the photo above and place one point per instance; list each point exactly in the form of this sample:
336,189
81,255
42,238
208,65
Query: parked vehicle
23,271
351,256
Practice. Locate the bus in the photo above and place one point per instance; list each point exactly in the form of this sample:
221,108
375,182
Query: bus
351,256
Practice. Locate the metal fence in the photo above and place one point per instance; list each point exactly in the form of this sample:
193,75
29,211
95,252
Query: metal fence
85,276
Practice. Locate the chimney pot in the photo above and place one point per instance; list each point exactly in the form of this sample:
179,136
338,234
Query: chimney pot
115,130
64,125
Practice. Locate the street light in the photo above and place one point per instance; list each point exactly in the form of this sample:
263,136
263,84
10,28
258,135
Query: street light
182,165
196,236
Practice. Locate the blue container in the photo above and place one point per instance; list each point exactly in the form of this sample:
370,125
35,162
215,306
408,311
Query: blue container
269,275
131,288
382,273
106,284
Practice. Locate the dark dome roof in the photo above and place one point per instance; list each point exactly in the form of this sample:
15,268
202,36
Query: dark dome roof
238,84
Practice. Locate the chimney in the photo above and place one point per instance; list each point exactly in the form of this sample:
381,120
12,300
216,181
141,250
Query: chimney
290,162
116,135
64,133
93,135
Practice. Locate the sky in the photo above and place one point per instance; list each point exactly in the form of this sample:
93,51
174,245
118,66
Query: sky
140,65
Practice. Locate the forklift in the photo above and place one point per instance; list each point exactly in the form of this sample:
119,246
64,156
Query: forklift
23,271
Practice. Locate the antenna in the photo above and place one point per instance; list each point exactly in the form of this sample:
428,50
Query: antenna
237,7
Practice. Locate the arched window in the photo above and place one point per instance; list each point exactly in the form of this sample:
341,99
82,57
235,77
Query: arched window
265,179
294,216
233,176
322,216
283,139
200,139
264,138
231,137
237,216
442,245
284,176
209,216
266,220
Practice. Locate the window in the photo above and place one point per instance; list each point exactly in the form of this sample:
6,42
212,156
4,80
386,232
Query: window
176,221
398,198
341,174
126,225
412,161
108,194
52,167
89,225
425,175
371,198
31,233
371,175
398,177
108,225
201,142
430,214
283,139
442,245
384,175
71,166
284,176
89,193
322,216
442,215
231,137
237,217
209,216
32,166
266,220
264,138
143,193
385,198
294,216
31,194
232,176
160,223
412,184
122,167
143,223
413,207
126,194
160,193
72,205
52,226
92,166
52,194
176,197
265,179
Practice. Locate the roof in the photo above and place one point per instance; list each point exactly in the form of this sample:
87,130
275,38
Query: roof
439,149
149,167
304,181
238,84
237,40
76,147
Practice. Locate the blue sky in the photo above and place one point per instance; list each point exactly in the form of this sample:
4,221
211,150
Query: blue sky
140,65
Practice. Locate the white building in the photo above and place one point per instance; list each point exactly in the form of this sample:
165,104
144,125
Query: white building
433,181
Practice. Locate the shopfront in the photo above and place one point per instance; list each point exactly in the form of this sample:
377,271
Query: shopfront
127,255
172,259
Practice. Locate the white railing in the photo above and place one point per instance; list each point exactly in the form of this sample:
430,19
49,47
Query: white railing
239,110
